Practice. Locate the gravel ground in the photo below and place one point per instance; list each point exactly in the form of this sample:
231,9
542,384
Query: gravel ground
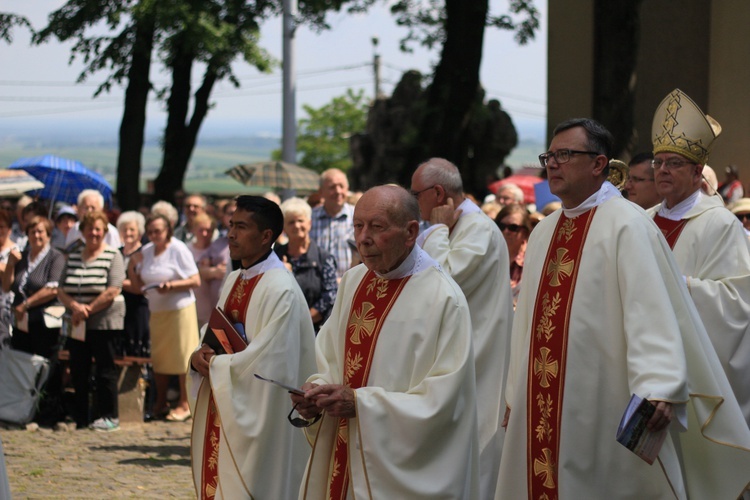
148,460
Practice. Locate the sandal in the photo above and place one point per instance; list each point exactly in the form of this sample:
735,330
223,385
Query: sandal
173,416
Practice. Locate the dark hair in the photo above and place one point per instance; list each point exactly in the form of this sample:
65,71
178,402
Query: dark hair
40,219
265,213
640,158
515,208
159,216
599,138
89,218
35,207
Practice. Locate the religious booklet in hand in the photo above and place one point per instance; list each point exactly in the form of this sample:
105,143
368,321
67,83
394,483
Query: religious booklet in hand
222,336
633,434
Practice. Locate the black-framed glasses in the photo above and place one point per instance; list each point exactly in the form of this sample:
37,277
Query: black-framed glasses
417,193
562,156
743,217
300,422
670,164
513,228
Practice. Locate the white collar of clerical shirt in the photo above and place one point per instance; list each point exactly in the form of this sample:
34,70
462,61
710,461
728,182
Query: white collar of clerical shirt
417,261
270,262
679,211
606,192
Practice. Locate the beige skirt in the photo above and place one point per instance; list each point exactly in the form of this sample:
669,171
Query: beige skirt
174,337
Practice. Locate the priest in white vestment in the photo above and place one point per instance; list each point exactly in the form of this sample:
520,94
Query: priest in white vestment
242,444
469,247
395,382
707,240
604,314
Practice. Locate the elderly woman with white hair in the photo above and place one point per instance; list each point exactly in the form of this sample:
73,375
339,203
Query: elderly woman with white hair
136,339
90,200
313,267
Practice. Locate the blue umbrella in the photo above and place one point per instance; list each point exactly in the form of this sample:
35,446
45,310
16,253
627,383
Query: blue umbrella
63,179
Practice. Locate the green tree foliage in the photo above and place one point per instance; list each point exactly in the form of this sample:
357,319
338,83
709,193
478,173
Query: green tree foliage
323,137
7,22
182,34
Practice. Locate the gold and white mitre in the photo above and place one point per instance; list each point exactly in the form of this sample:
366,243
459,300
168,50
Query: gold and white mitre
681,127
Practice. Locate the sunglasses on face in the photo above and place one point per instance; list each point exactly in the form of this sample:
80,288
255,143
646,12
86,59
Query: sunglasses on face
513,228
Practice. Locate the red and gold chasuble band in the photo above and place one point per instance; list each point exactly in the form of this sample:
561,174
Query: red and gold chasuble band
235,307
548,351
671,229
372,302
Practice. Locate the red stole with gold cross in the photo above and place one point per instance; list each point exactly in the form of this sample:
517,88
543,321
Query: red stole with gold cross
372,302
548,353
671,229
235,307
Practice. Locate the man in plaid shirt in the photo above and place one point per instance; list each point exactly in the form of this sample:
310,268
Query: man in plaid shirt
332,222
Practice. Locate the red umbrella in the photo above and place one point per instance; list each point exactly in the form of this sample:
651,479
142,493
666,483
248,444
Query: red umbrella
525,182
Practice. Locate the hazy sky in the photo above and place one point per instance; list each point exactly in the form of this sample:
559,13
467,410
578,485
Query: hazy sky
37,86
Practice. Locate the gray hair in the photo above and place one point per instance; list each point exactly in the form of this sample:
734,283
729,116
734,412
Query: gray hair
167,210
132,216
439,171
91,193
296,206
513,190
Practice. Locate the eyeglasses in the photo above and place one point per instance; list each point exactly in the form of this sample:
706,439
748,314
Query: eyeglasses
417,193
301,422
562,156
670,164
743,217
513,228
150,232
638,180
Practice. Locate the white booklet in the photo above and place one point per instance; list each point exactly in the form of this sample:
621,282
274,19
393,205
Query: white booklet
77,332
633,434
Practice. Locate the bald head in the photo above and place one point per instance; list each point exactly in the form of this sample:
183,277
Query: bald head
385,227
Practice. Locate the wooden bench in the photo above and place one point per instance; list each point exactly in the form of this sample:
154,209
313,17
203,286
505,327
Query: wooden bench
131,387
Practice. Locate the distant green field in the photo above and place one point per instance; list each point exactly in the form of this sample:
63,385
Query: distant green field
208,164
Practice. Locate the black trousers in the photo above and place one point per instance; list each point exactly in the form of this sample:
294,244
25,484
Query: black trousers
101,345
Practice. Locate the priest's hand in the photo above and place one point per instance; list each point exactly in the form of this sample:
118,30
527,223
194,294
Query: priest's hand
445,214
661,417
336,400
201,359
306,407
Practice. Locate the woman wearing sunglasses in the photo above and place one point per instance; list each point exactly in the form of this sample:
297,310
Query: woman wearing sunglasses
515,224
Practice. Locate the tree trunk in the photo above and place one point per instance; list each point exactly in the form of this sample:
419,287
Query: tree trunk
454,87
134,117
617,33
173,167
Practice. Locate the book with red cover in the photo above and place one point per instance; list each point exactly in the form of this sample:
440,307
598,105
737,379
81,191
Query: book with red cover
222,336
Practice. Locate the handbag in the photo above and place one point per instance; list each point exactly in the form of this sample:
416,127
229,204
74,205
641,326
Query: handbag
53,316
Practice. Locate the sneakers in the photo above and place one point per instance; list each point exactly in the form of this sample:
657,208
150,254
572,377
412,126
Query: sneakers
105,425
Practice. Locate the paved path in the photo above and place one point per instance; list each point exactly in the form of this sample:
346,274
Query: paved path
149,460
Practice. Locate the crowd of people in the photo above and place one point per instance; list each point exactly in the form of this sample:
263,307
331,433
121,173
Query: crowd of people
426,345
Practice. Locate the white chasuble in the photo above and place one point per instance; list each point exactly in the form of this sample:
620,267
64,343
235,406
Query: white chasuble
475,255
632,329
261,455
415,432
711,252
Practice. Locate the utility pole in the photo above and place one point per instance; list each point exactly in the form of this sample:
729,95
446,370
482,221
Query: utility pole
289,123
376,65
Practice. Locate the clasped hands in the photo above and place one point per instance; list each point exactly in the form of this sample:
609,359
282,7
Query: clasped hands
336,400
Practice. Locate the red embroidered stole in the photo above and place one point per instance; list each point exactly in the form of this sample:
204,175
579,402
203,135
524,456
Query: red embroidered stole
235,308
548,353
671,229
371,305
